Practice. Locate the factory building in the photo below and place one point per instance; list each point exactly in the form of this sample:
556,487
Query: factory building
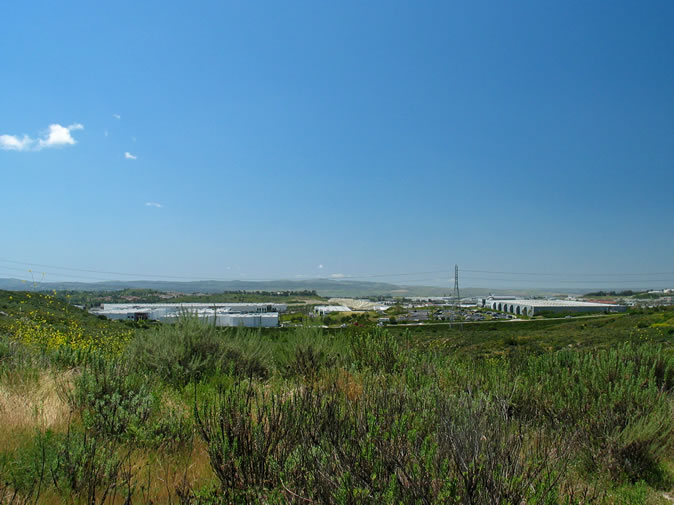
535,307
262,315
249,320
175,307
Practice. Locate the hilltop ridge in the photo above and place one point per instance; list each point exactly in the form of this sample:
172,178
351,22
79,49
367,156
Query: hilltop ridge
324,287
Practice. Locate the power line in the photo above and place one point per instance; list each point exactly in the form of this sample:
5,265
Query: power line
57,274
126,274
549,277
574,281
567,273
214,278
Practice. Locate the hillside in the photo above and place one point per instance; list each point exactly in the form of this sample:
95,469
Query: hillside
324,287
362,415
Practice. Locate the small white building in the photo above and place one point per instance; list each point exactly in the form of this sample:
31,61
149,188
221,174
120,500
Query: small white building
327,309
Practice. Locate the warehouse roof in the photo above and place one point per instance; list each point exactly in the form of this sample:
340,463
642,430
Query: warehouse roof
555,303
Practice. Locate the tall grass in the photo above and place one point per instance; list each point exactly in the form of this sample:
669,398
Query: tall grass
358,417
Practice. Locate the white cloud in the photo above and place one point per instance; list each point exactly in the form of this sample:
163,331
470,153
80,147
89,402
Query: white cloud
154,204
337,276
14,143
130,156
320,266
55,136
59,136
117,116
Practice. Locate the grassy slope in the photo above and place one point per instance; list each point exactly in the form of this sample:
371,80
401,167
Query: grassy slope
15,305
31,401
504,338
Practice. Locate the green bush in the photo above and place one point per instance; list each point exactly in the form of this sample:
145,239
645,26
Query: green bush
249,437
191,350
306,353
91,467
617,401
113,401
495,457
75,464
377,350
27,470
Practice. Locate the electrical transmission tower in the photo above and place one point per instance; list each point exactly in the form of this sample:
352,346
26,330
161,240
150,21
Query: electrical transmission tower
457,296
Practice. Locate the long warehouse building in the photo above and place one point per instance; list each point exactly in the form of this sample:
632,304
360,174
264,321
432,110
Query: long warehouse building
535,307
175,307
224,314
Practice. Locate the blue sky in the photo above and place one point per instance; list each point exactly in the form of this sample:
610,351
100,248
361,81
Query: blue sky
318,139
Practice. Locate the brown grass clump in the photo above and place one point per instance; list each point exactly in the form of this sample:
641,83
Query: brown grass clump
30,403
349,385
162,476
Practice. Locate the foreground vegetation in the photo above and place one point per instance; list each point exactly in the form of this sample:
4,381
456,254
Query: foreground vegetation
201,415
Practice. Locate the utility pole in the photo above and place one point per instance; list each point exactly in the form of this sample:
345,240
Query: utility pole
457,296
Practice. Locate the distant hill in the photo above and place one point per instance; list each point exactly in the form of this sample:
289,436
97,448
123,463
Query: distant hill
324,287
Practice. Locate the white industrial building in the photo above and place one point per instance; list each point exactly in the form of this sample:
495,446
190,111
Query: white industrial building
248,320
225,314
327,309
534,307
174,307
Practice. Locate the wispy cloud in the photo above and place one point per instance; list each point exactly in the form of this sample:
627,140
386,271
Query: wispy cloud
55,136
154,204
337,276
14,143
117,116
130,156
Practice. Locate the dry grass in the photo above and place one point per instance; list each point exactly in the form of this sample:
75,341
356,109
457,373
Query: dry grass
30,402
159,475
33,401
350,385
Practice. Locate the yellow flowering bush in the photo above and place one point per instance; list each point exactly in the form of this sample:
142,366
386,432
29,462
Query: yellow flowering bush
34,330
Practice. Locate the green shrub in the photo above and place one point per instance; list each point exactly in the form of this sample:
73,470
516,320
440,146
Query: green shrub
191,350
497,458
26,472
305,353
76,463
113,401
249,437
396,445
91,467
616,401
171,425
307,362
377,350
378,448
